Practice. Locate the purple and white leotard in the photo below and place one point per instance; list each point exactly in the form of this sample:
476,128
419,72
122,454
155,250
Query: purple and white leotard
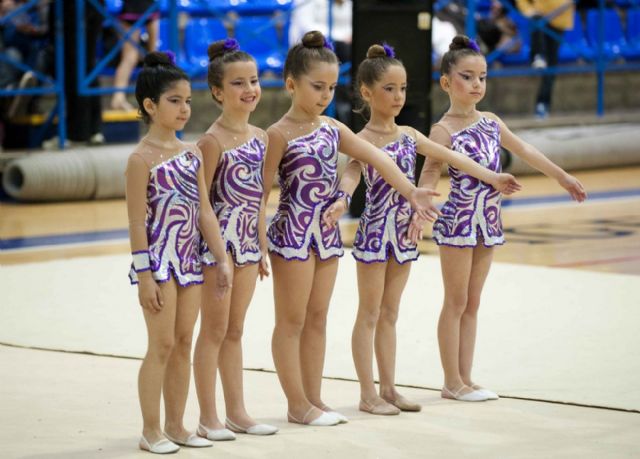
236,195
473,207
173,207
387,214
309,182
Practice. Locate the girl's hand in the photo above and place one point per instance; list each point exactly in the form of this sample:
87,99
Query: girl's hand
263,266
416,228
506,184
333,213
573,187
149,294
223,284
420,200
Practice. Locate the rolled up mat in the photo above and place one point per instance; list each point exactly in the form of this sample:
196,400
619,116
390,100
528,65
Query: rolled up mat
50,177
581,147
109,167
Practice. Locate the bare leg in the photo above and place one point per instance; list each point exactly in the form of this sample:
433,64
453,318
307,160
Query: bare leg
314,334
244,284
370,291
482,257
176,380
128,61
291,309
213,328
153,28
160,328
385,340
456,272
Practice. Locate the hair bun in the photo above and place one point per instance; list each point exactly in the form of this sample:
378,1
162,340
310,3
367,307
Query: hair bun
376,51
222,47
313,39
463,42
157,58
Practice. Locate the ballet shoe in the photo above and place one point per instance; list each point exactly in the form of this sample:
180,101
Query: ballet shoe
324,420
215,434
162,446
403,404
192,441
256,429
341,417
383,410
474,396
491,395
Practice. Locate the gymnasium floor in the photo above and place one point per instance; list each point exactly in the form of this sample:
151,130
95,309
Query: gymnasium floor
558,340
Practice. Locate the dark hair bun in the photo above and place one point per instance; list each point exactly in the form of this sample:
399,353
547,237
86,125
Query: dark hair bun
216,49
313,39
157,58
376,51
459,42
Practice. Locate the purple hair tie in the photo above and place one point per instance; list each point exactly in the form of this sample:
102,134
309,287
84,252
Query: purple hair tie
171,56
329,45
473,45
231,44
388,50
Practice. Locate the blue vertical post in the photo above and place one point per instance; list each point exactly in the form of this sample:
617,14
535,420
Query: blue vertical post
81,56
331,109
59,46
470,20
600,61
173,27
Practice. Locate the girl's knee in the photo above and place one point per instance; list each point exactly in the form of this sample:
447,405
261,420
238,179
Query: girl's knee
316,320
456,305
389,316
161,349
234,332
183,343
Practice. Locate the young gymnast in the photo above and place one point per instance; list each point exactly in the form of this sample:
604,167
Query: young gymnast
233,152
382,247
167,203
470,224
304,251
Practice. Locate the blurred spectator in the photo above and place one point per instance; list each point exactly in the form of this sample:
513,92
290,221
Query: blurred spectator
83,113
23,39
494,30
558,17
132,10
314,15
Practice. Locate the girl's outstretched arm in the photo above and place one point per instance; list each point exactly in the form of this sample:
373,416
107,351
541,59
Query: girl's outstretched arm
210,229
348,184
149,294
536,159
505,183
351,144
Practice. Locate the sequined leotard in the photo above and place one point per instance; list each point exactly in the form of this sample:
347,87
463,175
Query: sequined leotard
473,207
387,215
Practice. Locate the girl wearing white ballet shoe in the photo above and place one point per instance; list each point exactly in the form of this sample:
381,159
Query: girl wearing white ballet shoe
168,206
470,225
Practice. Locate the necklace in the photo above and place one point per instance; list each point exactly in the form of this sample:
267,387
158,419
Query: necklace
162,148
381,133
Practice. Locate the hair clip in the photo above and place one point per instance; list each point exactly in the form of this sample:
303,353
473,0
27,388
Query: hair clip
473,45
171,56
329,45
388,50
231,44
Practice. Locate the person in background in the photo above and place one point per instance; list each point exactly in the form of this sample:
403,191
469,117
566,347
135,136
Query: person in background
558,16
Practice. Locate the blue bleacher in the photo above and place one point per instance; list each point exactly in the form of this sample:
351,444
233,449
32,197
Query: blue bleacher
198,35
575,45
113,6
615,45
633,29
259,37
